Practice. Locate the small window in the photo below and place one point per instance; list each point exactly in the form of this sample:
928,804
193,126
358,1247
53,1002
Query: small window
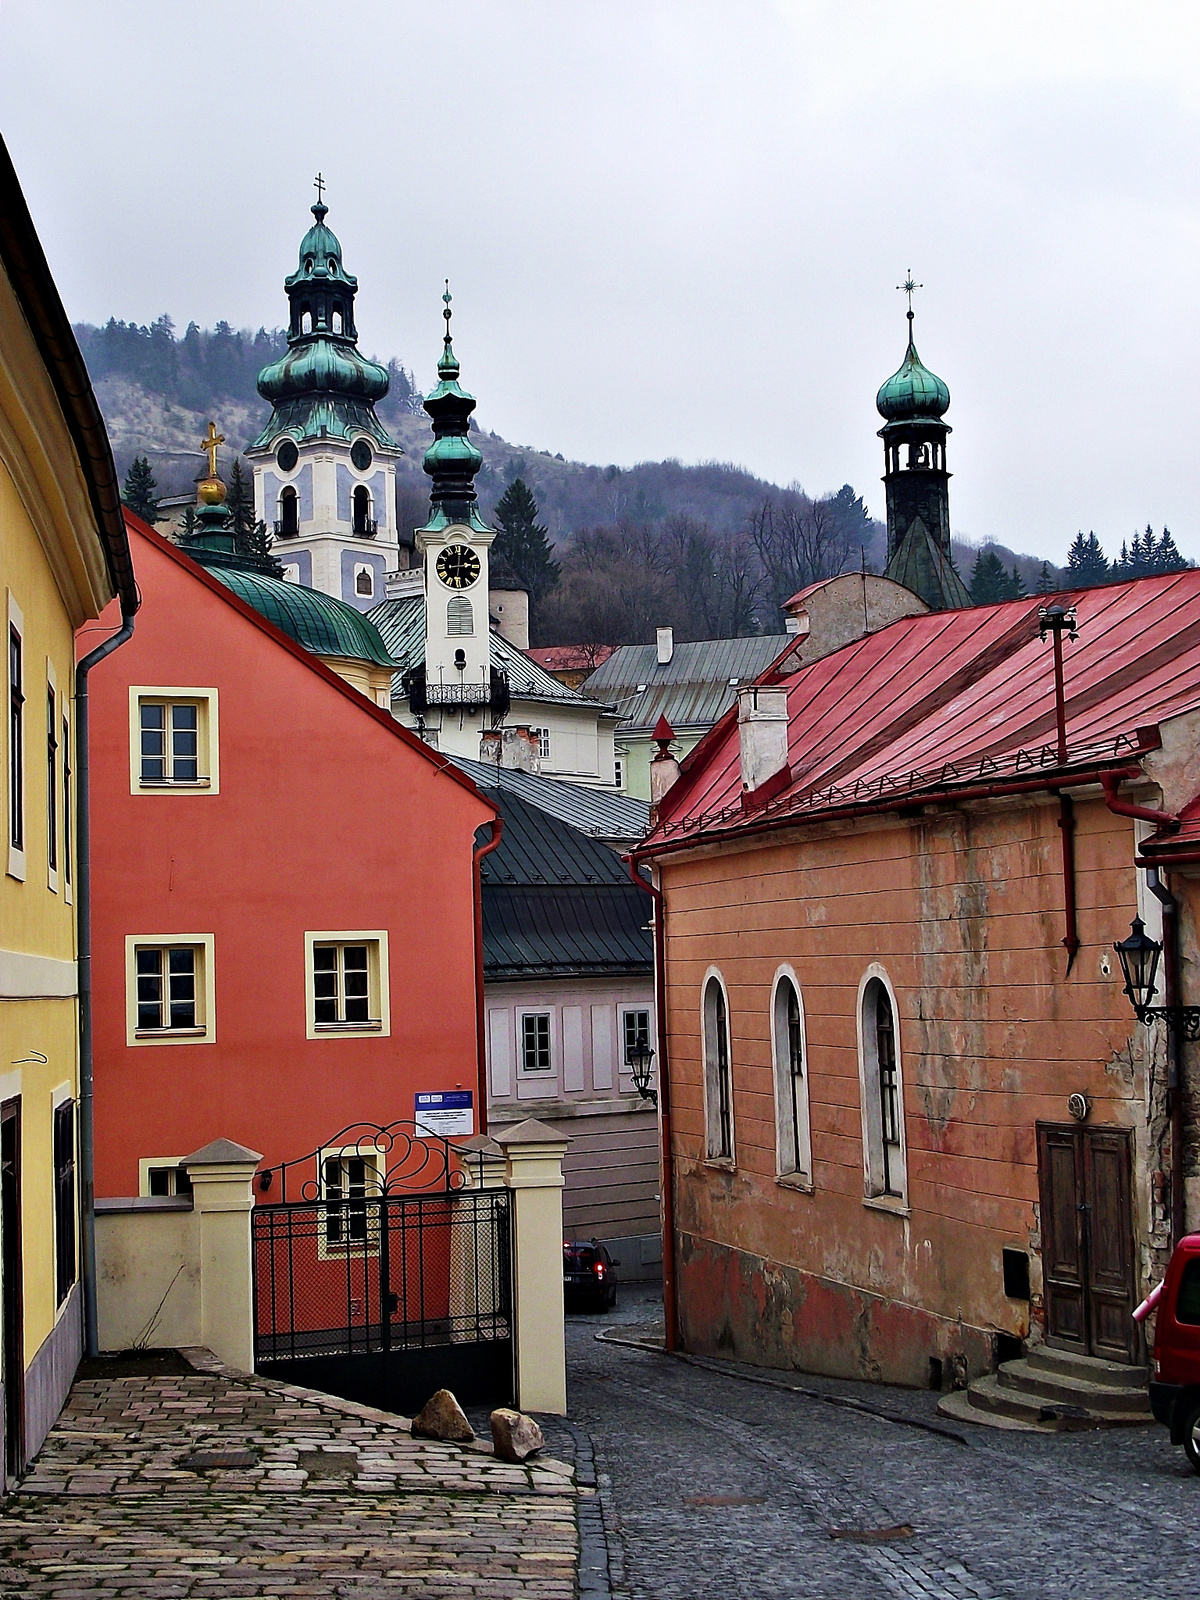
337,319
535,1042
791,1085
718,1088
174,740
170,1180
460,618
619,772
881,1094
67,801
364,581
306,322
637,1032
350,1182
16,740
64,1199
169,986
364,526
168,996
543,742
51,780
347,984
289,513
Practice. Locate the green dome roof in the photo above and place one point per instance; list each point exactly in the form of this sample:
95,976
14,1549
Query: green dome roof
914,392
320,255
323,625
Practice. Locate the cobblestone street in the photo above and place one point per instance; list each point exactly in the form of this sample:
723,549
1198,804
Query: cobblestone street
719,1487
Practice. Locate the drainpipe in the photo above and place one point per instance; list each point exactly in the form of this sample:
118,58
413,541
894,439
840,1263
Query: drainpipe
1174,1046
482,850
664,1100
1111,783
83,920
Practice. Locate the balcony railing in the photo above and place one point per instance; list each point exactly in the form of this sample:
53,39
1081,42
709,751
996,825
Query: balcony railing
285,530
366,528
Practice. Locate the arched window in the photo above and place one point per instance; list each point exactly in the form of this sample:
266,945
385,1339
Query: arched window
363,526
718,1089
337,318
460,618
882,1090
364,581
792,1138
289,519
306,321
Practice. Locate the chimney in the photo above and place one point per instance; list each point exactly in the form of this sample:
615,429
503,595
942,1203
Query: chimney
514,749
664,769
665,639
763,735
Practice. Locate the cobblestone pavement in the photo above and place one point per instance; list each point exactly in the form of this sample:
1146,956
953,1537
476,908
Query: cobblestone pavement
130,1497
715,1486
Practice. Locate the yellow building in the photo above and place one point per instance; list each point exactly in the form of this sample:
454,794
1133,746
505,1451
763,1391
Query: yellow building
64,554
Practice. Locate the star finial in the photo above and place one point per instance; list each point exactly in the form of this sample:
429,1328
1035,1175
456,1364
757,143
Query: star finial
907,287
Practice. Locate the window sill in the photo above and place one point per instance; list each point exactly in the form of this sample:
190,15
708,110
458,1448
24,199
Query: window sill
169,1033
374,1025
721,1163
158,785
795,1180
895,1204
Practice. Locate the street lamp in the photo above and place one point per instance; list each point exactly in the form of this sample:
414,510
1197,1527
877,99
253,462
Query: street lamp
639,1057
1139,956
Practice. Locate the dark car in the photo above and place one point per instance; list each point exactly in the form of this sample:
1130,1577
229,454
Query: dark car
1175,1385
589,1276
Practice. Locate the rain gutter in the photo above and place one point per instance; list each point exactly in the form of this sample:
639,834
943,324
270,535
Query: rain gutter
664,1099
83,915
480,851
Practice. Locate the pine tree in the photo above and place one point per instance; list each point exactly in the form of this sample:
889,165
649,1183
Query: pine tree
1016,585
1046,582
256,541
138,493
240,499
1167,557
522,542
1087,565
989,581
187,529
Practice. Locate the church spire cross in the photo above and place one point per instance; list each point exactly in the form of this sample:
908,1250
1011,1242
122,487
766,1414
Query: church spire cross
319,186
209,445
448,313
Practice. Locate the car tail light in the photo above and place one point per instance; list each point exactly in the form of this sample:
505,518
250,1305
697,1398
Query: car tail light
598,1269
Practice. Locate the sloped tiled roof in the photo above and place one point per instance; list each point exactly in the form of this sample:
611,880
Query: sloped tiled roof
570,657
616,819
956,698
691,690
558,904
401,624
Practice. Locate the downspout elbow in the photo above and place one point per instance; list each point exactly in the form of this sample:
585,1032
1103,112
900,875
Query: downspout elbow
1111,784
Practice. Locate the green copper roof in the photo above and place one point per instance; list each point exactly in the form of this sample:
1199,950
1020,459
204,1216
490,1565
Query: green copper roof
322,387
453,459
326,626
913,392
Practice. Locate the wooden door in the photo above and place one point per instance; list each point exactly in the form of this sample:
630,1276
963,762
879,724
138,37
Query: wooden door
1087,1240
14,1300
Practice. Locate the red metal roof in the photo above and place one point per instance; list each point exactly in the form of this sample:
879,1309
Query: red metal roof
571,657
959,697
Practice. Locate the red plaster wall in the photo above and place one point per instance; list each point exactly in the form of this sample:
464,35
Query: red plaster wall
964,912
325,820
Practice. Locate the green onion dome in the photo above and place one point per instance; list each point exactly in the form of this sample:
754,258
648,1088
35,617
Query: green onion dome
322,624
914,392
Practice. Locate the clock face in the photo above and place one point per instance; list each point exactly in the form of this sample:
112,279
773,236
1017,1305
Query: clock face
458,566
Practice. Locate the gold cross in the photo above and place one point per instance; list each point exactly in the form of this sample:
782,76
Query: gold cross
209,445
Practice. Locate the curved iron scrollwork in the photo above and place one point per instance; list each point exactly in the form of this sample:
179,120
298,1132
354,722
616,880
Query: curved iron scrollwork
372,1160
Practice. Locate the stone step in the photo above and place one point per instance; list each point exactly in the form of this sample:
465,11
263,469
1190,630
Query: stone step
956,1407
1092,1369
1062,1387
991,1398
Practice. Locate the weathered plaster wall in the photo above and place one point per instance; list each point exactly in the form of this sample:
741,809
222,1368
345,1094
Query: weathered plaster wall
963,910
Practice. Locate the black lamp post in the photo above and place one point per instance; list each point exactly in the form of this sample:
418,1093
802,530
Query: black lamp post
1139,956
640,1056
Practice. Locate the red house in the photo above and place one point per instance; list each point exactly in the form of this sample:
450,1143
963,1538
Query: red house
284,895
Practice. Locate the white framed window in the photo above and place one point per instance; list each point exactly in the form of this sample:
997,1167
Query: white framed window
346,984
53,798
15,673
537,1054
164,1176
169,983
619,771
364,580
543,742
881,1084
68,810
174,744
350,1179
718,1077
793,1150
635,1031
460,617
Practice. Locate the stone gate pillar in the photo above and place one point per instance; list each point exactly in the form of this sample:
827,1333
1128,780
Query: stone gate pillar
222,1175
534,1154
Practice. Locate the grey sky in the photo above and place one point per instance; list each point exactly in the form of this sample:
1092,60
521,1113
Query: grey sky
674,228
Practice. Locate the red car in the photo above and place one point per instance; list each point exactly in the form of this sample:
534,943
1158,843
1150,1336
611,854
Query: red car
1175,1384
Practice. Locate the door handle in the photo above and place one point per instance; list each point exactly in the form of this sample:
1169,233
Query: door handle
1083,1206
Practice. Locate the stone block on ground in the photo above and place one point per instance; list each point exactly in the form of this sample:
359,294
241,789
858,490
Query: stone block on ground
441,1417
514,1435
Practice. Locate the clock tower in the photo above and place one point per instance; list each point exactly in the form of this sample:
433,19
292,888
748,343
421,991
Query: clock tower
457,674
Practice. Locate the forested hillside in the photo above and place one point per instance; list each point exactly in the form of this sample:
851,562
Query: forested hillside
709,548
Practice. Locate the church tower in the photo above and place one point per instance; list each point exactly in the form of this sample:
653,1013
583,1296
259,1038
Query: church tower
457,672
324,465
912,403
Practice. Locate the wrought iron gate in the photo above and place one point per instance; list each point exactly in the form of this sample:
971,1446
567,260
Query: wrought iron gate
386,1272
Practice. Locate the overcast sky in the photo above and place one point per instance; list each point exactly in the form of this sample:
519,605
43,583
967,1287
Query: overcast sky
675,229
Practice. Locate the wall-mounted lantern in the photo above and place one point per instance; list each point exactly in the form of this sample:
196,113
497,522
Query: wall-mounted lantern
640,1056
1139,957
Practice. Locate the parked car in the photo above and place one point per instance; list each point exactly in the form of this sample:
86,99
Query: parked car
1175,1383
589,1276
